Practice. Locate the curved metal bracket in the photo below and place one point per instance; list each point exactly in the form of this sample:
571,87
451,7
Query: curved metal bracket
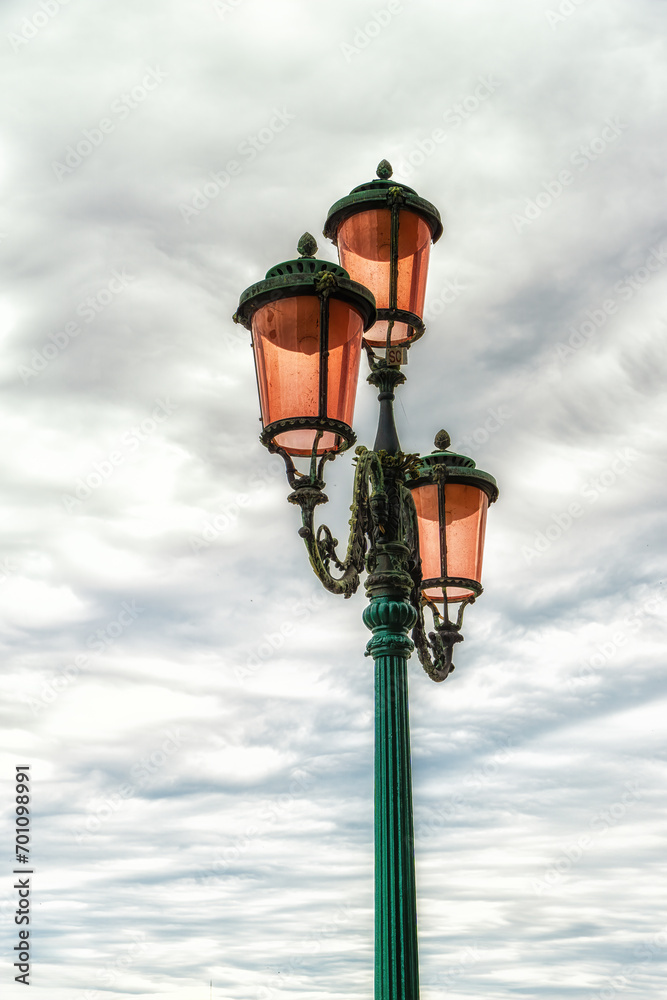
369,512
436,652
297,479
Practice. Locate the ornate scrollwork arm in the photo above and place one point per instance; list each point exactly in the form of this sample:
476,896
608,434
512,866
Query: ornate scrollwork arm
369,512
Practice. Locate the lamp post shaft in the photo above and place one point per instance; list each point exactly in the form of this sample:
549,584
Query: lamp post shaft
396,957
390,616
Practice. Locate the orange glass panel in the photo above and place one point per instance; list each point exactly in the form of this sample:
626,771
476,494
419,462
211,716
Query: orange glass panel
465,521
286,340
426,502
364,247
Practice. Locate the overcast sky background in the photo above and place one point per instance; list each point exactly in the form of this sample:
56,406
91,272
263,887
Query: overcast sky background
202,780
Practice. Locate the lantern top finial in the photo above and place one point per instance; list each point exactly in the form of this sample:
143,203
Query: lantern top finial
442,441
376,194
305,276
384,170
456,469
307,246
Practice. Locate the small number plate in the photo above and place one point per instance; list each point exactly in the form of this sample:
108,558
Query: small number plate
397,356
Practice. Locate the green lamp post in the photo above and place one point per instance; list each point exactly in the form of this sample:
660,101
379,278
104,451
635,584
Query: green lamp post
417,525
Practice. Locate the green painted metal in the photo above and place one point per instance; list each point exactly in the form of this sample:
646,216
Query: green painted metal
454,467
385,378
393,565
305,275
375,194
396,951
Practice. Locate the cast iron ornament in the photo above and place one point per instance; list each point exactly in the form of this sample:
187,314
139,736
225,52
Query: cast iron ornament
383,540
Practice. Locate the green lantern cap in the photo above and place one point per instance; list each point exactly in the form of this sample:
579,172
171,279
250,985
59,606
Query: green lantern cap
376,194
305,276
459,469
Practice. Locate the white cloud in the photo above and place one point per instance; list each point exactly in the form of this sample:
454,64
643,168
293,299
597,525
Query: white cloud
554,324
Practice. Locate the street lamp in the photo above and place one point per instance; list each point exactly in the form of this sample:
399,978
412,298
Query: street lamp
417,525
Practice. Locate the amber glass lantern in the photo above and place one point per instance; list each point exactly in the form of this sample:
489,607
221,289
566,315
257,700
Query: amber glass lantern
307,320
451,497
383,231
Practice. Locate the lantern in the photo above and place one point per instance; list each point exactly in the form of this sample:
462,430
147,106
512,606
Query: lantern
451,497
307,320
384,232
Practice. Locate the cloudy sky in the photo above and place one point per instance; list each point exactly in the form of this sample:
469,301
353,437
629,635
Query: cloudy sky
194,708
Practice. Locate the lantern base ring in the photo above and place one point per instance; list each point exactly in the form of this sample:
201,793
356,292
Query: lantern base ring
344,433
451,581
398,316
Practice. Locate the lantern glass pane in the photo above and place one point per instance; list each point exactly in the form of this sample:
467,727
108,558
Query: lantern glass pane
426,502
364,246
286,340
346,330
465,508
465,523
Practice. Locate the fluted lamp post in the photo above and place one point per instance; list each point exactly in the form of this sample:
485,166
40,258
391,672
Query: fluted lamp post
417,524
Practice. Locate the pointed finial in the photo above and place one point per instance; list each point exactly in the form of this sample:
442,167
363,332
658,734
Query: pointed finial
307,246
384,170
442,441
